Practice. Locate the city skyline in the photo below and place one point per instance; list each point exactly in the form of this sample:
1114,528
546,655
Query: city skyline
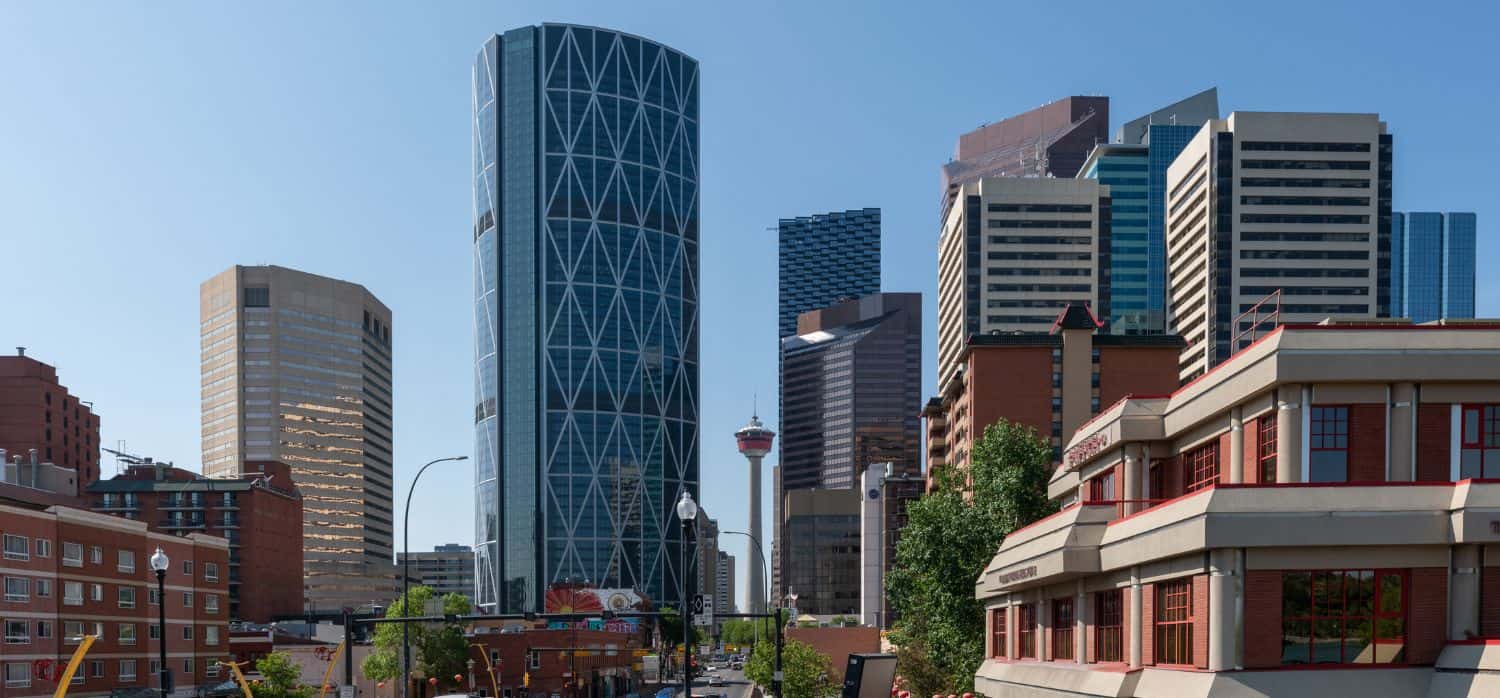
324,185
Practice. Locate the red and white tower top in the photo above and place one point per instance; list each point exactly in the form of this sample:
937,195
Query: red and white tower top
755,439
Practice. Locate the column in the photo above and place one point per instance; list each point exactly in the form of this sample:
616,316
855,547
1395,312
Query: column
1463,590
1134,478
1236,446
1223,601
1083,615
1289,433
1401,414
1135,618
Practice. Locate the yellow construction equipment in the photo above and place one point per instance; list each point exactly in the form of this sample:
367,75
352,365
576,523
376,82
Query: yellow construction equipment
67,676
239,677
328,675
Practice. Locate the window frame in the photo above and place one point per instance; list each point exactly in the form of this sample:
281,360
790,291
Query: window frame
120,594
96,554
1266,445
1173,597
998,634
69,599
22,682
132,675
72,560
1487,429
1342,618
1200,466
22,638
1317,438
22,596
1109,627
1063,629
43,587
1102,487
24,552
43,547
125,560
1026,631
211,571
126,634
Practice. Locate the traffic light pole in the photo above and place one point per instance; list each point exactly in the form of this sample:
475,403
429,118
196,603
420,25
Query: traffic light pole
776,677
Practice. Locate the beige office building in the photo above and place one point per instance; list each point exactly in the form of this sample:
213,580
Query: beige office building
1275,218
296,368
1014,252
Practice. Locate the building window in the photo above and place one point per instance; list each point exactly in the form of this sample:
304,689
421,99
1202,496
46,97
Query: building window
1174,622
1480,457
153,597
44,629
96,592
211,670
1102,487
1200,466
96,669
187,599
211,569
44,588
210,603
533,659
1329,447
1109,628
17,547
72,593
257,296
43,547
211,635
17,632
126,561
187,567
17,589
72,631
1266,449
127,669
17,674
96,554
187,666
1343,617
153,631
997,633
72,555
1026,631
127,633
127,597
187,632
1062,628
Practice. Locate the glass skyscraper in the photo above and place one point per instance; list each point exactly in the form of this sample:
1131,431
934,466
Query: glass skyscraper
585,311
1432,265
825,258
1124,169
1165,142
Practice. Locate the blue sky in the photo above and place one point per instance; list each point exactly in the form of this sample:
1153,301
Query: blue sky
146,147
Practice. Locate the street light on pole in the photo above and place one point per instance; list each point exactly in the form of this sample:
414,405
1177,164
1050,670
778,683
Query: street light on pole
687,513
406,576
755,592
159,564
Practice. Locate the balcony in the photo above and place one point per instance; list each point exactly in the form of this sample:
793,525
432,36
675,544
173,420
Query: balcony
182,524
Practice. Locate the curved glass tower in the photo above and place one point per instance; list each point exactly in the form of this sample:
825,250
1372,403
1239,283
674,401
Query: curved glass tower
585,311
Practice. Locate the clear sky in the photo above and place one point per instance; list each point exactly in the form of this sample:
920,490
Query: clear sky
145,147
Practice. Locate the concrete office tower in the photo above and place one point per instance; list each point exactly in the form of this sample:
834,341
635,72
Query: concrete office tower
1276,218
1015,254
585,311
1050,141
297,369
1432,266
825,258
755,442
447,569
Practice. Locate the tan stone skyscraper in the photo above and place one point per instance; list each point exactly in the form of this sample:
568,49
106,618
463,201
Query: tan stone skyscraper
297,368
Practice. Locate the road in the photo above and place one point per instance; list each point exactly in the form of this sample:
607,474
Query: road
735,685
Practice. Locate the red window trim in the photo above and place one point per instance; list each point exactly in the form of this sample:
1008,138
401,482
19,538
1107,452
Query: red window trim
1200,466
1477,444
1063,628
1173,598
1097,492
1266,448
1313,434
997,634
1109,630
1026,631
1403,614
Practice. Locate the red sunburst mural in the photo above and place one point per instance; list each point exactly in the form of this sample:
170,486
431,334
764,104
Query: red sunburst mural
572,599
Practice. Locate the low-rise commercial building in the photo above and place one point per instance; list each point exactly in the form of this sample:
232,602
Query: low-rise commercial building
447,569
1313,516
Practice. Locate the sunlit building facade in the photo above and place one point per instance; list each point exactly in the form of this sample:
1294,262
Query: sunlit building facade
585,311
296,368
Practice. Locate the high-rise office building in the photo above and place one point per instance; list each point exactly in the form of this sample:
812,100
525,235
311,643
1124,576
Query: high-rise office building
446,569
825,258
724,586
1123,168
38,413
1015,253
1432,265
1275,218
585,311
296,368
1050,141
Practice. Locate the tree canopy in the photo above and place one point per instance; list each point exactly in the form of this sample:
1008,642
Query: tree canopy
949,538
437,649
805,672
280,677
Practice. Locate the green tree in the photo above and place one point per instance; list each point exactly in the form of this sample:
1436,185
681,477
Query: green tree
744,631
949,538
437,649
671,628
805,673
280,677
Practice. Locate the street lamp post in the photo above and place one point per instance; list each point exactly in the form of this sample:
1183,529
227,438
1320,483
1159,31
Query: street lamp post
406,576
755,592
159,563
687,513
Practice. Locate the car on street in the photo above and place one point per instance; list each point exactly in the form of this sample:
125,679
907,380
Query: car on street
716,680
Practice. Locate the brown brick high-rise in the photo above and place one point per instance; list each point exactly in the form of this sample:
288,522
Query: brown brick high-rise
37,412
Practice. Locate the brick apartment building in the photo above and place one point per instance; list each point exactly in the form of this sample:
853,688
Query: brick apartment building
69,572
1314,516
36,412
557,661
1050,382
258,514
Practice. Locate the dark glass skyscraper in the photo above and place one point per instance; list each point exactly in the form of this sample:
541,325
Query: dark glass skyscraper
1432,265
825,258
585,311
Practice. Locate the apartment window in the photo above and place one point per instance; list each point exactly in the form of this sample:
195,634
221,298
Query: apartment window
1343,617
997,633
44,588
126,561
1267,447
257,297
127,633
1329,447
44,629
1026,631
99,630
127,669
1200,466
127,597
533,659
211,603
43,547
17,589
1174,622
211,669
17,547
1109,628
187,666
187,599
1480,455
1062,628
153,631
211,635
187,632
153,597
17,674
154,666
187,567
96,669
17,632
1102,487
72,593
72,555
96,554
96,592
211,569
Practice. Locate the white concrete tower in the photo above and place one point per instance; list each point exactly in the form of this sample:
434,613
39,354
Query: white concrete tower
755,442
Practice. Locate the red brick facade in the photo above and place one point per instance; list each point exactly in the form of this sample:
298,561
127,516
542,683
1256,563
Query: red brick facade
603,654
1489,601
38,412
1148,633
1367,443
1433,443
1200,621
1427,615
1262,619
